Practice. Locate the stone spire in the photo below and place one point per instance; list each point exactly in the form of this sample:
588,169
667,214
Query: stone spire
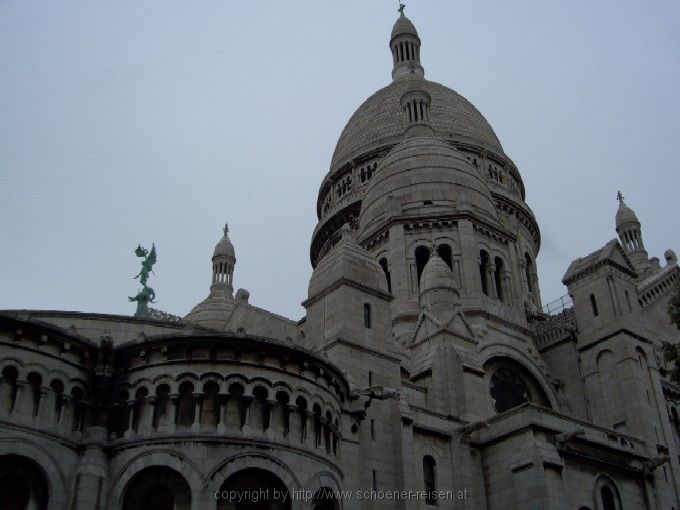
223,262
629,231
405,47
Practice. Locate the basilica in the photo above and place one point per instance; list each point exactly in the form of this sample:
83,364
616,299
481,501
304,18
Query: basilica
426,373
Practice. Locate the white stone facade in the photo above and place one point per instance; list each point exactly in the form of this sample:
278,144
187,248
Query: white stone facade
426,373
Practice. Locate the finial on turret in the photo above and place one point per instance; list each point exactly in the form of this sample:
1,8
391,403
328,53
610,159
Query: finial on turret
401,8
619,197
226,229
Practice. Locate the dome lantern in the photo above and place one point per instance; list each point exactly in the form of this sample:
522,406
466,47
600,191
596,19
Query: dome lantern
405,47
628,227
223,262
415,103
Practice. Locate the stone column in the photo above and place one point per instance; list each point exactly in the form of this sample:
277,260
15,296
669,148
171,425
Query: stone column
66,415
198,408
222,400
309,432
323,424
268,412
293,427
172,425
90,481
247,401
17,412
148,415
491,279
130,432
507,287
43,414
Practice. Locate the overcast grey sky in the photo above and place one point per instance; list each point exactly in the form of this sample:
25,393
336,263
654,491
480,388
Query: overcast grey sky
157,121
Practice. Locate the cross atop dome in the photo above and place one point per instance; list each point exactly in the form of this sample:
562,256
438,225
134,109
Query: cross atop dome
619,197
401,8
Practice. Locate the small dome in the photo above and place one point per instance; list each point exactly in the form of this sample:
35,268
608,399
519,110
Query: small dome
436,275
624,215
403,26
437,287
424,176
347,261
224,246
213,312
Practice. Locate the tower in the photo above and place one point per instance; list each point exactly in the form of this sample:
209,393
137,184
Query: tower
224,260
629,231
214,311
405,47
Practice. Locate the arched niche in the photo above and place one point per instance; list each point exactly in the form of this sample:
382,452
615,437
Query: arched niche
511,385
157,488
23,485
254,489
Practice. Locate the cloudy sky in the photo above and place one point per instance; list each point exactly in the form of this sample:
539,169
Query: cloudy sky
157,121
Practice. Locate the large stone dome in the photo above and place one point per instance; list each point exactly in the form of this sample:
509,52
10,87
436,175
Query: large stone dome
379,122
424,176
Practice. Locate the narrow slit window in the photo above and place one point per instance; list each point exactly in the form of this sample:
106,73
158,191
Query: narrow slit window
593,305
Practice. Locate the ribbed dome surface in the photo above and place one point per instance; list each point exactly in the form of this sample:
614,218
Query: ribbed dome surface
224,247
436,275
379,121
625,215
424,176
403,25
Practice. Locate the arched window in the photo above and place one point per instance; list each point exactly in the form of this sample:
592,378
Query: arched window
608,501
22,484
607,494
35,383
210,409
511,385
388,277
528,269
157,488
593,305
422,256
8,388
78,395
367,316
140,408
430,479
186,408
484,271
57,399
255,481
498,277
324,499
444,252
161,415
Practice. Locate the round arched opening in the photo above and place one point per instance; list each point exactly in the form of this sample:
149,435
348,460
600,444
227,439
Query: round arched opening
511,385
157,488
23,485
253,489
